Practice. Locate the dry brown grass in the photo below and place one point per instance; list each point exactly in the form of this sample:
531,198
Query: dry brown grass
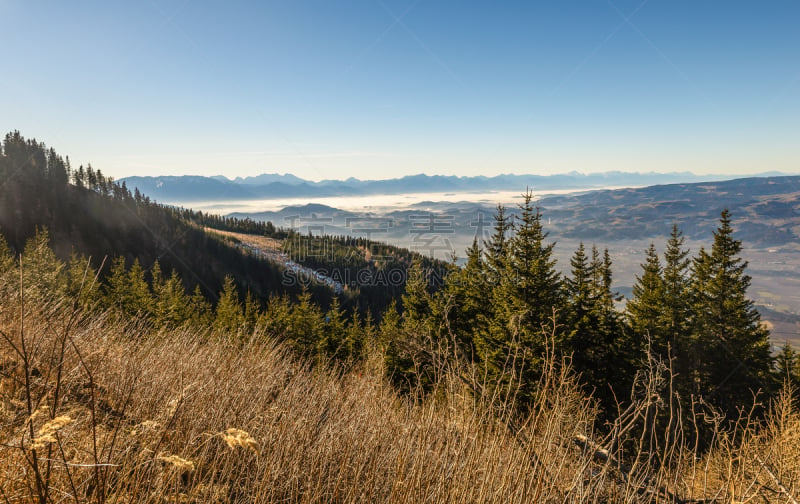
254,240
186,416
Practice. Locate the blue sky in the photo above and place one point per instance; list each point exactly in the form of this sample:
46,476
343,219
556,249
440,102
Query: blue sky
380,88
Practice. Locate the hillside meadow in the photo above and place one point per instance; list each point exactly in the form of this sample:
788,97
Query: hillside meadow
98,409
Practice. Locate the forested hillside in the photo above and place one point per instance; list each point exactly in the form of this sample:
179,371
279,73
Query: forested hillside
505,359
102,405
88,214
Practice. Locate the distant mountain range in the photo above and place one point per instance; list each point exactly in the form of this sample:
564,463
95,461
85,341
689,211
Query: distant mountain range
766,213
266,186
766,217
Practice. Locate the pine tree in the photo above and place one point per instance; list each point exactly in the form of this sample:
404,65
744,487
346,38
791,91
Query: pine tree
252,310
276,319
496,247
579,287
229,314
581,313
533,284
356,337
465,295
140,299
305,329
617,362
42,272
732,345
676,300
495,340
787,367
115,287
173,306
645,309
593,326
199,309
127,290
530,291
397,350
608,296
332,341
82,282
417,301
156,280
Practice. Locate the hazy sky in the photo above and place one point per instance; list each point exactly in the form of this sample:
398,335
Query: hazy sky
381,88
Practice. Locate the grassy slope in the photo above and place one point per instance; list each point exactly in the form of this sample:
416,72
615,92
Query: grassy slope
149,414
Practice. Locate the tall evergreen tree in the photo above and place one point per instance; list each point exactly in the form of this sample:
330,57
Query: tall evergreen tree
172,306
677,302
199,308
533,285
787,367
581,314
466,300
140,299
495,339
252,309
417,300
529,293
229,313
127,290
729,338
645,309
332,341
496,247
357,336
82,282
115,287
305,329
399,353
43,273
593,326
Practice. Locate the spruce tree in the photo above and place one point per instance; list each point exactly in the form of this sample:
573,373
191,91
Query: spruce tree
357,336
116,285
229,313
645,309
466,300
579,287
676,300
140,299
305,329
42,272
252,310
398,352
731,344
174,307
581,320
496,247
199,309
618,362
532,283
332,341
593,326
82,282
529,293
495,339
787,367
417,301
156,280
